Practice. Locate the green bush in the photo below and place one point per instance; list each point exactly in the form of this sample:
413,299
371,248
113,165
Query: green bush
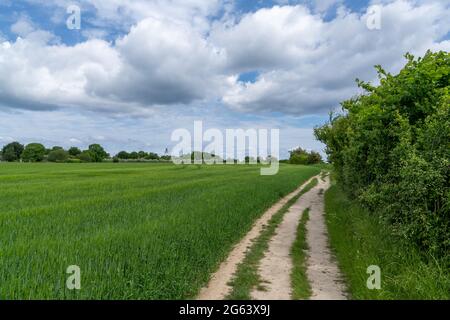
12,151
34,152
300,156
390,149
58,155
85,156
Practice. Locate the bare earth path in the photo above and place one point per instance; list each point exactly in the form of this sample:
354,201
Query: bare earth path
276,266
218,288
323,273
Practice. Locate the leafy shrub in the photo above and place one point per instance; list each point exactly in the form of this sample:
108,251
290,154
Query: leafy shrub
12,151
58,155
391,149
300,156
85,156
33,152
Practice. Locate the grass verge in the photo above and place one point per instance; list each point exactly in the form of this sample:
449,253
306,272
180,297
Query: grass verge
301,288
360,239
246,277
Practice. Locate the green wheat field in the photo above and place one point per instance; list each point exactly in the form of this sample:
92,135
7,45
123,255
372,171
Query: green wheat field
137,231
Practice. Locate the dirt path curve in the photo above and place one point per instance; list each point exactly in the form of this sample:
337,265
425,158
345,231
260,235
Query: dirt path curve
322,270
218,288
276,266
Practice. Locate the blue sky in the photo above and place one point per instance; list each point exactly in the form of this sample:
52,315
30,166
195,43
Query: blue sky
137,70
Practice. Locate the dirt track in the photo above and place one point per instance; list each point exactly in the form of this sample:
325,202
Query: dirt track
218,288
275,268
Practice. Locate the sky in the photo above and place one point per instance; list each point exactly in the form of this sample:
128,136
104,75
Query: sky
136,70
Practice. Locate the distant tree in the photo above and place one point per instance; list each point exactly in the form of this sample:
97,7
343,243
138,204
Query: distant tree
314,158
123,155
74,151
33,152
301,156
12,151
116,159
58,155
85,156
142,155
133,155
166,158
152,156
98,154
57,148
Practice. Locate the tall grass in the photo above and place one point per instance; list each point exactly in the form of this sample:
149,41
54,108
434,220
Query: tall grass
137,231
301,289
360,240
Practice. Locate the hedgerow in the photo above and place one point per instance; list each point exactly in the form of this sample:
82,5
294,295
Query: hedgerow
391,149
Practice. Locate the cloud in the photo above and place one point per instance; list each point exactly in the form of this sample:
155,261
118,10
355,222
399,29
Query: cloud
307,65
23,26
162,62
175,55
126,13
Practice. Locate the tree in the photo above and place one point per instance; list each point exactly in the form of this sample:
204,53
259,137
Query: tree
123,155
98,154
58,155
314,158
85,156
152,156
57,148
12,151
33,152
74,151
301,156
390,149
133,155
142,154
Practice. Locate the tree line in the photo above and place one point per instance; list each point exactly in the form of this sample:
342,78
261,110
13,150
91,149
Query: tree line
301,156
37,152
391,149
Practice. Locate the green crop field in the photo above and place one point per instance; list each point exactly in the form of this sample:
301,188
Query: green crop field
137,231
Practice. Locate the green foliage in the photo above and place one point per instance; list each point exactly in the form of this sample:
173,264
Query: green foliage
300,156
12,151
33,152
98,154
58,155
152,156
123,155
390,149
301,289
74,151
85,156
360,239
